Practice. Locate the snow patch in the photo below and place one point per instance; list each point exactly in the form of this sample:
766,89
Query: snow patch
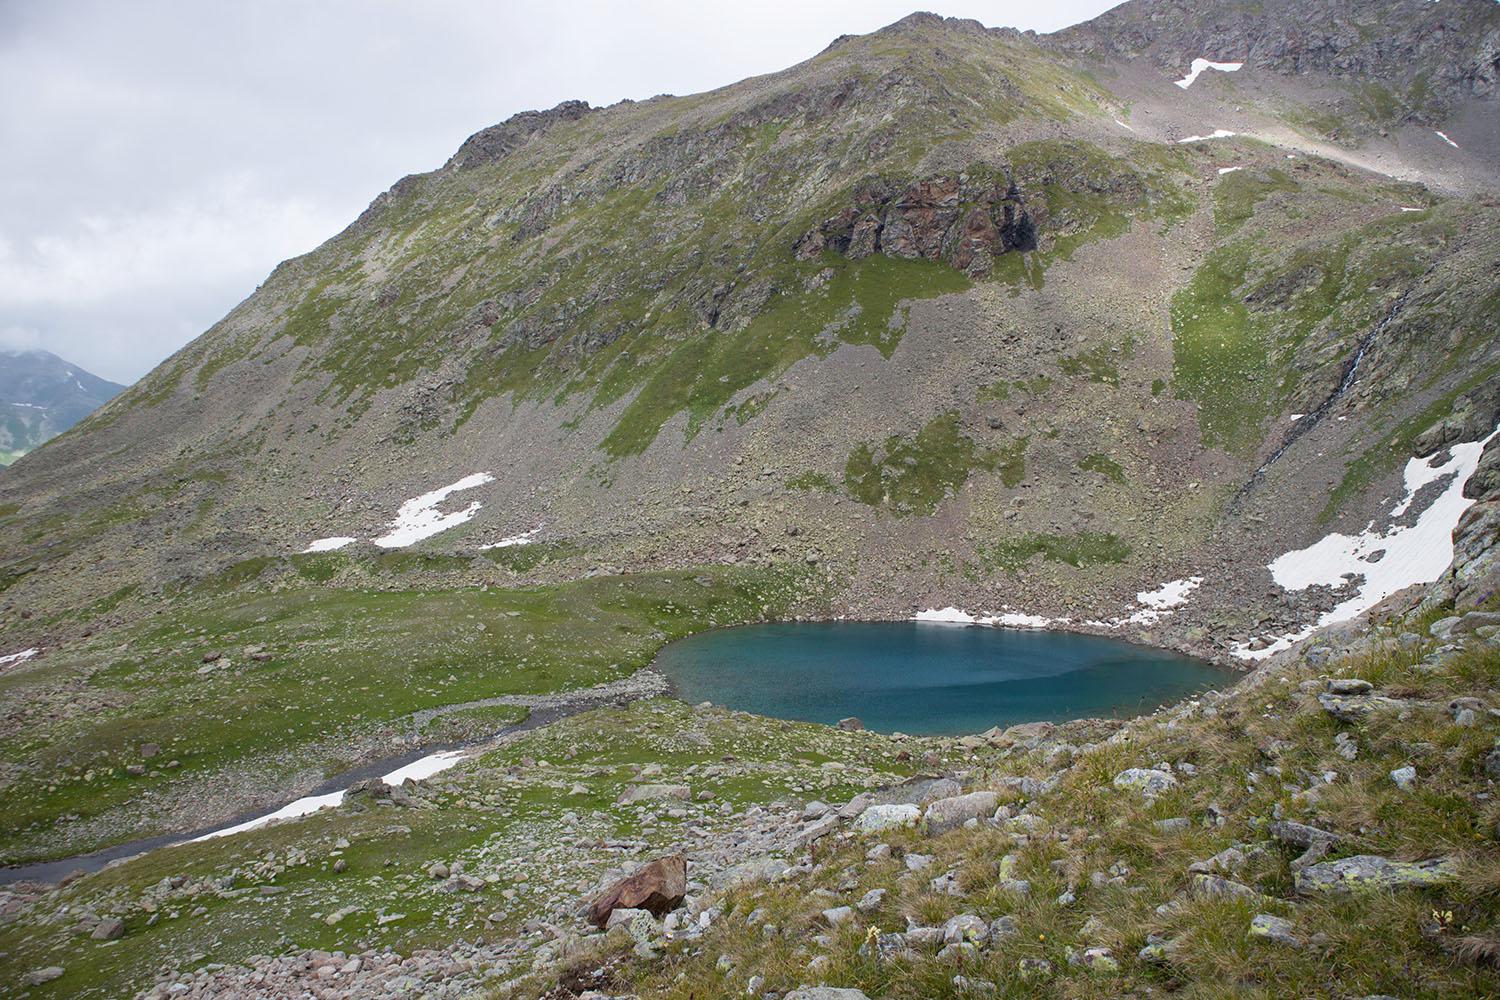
1172,594
1445,138
418,518
1228,170
1007,619
1122,125
1389,560
329,544
1408,208
945,616
1296,417
524,538
1199,65
424,767
20,657
1218,133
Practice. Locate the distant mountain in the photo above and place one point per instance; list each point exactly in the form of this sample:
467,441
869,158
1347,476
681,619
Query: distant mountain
41,395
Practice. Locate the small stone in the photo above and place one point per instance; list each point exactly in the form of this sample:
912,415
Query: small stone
340,866
1176,824
1101,961
1272,928
339,914
851,724
1404,777
1214,887
149,750
1148,782
871,901
836,915
1465,717
814,810
1349,685
39,976
1034,968
438,871
966,928
824,992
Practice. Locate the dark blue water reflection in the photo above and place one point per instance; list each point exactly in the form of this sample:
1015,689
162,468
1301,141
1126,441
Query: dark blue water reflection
927,679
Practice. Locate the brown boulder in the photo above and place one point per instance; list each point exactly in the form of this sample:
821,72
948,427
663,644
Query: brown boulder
658,887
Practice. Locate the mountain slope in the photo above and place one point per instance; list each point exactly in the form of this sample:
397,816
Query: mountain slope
41,395
1039,331
938,245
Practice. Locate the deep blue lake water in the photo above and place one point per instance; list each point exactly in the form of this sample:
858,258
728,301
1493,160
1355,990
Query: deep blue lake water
927,679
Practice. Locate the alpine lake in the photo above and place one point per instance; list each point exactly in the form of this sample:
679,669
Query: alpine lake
928,679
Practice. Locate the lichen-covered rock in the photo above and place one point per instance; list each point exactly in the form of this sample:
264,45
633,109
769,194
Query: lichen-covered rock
1267,927
966,927
1357,707
1369,871
1034,968
887,817
1214,887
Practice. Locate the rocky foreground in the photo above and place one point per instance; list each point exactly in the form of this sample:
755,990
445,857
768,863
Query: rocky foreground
1327,826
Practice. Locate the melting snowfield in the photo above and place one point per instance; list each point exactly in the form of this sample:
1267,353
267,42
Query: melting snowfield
1386,560
329,544
419,518
524,538
1154,605
20,657
416,771
1218,133
1199,65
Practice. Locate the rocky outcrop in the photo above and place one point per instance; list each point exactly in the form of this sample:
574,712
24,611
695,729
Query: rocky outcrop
499,141
951,218
1452,48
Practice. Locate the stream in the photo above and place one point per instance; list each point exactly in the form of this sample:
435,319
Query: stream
415,764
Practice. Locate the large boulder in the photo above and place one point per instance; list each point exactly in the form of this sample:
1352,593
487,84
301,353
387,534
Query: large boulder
951,813
654,793
658,888
887,817
1369,871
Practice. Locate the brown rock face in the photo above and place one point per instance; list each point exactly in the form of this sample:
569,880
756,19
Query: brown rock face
659,887
940,218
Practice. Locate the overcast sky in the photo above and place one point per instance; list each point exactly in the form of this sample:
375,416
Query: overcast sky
161,156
